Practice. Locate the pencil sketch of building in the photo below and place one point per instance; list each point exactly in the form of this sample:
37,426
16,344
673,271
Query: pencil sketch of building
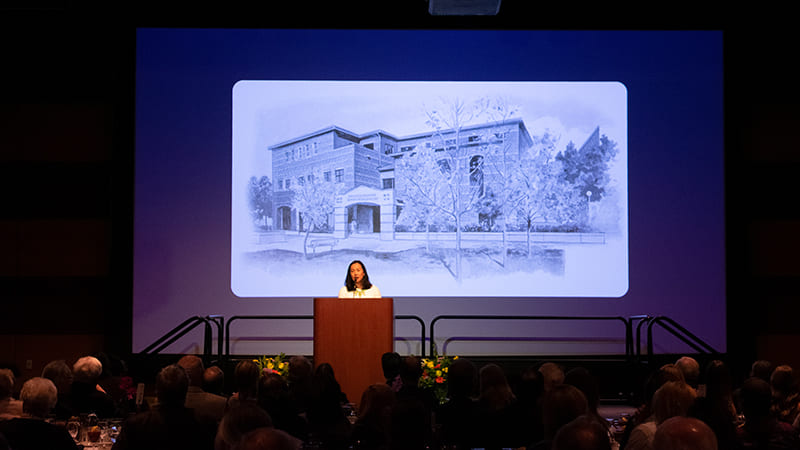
362,167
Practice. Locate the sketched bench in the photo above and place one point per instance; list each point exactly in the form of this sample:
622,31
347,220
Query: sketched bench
329,242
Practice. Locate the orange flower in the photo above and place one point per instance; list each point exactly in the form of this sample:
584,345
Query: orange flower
440,380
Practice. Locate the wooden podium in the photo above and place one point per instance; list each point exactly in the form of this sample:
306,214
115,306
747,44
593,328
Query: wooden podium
351,335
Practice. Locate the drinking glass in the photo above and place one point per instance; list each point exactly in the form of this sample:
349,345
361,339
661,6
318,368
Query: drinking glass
74,429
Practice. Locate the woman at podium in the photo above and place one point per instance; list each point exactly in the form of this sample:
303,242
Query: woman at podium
356,283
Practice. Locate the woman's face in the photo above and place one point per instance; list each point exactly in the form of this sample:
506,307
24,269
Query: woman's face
357,273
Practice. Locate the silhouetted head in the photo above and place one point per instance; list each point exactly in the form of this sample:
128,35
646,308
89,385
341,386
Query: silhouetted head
583,433
172,384
684,433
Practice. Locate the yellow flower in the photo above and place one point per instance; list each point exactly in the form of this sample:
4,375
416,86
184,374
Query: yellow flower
430,364
270,366
444,370
438,373
455,357
280,366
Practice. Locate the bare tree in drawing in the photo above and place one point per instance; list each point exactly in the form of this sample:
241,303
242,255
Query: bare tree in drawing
502,159
437,179
542,194
313,198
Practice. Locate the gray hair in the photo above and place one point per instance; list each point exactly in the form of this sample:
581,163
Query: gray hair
39,396
87,369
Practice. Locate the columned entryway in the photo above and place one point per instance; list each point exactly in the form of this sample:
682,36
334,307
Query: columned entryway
364,212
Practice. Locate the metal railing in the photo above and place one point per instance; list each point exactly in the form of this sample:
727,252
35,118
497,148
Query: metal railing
307,338
187,326
677,330
632,339
625,322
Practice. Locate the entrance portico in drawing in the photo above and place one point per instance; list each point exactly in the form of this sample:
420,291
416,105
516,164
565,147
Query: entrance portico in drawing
364,211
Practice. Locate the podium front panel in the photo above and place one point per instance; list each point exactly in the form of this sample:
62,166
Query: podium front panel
351,335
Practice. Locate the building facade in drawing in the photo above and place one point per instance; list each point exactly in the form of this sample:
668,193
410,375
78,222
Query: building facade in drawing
364,169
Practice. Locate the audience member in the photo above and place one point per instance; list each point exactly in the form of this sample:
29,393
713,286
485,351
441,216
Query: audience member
761,430
685,433
60,373
673,398
31,431
237,421
583,433
413,409
785,397
553,375
690,369
326,419
168,425
371,430
562,404
214,381
716,407
583,380
114,381
530,393
410,373
410,425
9,406
86,396
273,397
391,363
299,379
207,407
268,439
498,423
759,369
245,383
457,416
665,373
762,369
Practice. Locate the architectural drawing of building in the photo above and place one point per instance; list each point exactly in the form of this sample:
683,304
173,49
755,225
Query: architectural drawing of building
362,167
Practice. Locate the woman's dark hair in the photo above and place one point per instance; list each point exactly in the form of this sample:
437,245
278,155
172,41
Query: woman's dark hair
348,280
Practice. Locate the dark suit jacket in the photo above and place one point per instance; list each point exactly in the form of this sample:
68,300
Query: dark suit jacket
207,407
165,429
36,434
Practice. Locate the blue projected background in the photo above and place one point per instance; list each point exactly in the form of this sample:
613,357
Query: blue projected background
201,137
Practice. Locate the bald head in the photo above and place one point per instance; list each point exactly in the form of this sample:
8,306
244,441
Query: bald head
194,368
684,433
690,369
583,433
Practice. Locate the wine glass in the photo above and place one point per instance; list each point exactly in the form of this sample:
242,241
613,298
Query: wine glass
74,428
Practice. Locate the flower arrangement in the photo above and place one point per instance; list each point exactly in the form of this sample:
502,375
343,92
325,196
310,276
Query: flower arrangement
434,375
277,364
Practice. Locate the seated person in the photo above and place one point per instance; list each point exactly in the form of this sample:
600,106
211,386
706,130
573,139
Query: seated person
9,406
168,425
207,407
584,432
684,433
214,380
60,373
85,394
31,431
